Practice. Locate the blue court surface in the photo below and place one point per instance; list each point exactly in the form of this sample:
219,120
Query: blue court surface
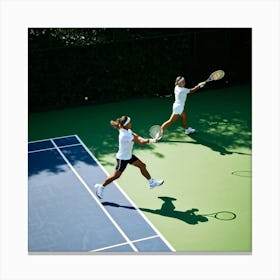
65,215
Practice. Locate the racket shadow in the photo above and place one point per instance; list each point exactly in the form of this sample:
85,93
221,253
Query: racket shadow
242,173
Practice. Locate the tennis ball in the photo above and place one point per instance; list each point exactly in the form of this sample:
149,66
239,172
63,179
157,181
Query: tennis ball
86,98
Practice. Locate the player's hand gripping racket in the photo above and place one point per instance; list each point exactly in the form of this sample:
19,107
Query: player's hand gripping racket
156,132
215,76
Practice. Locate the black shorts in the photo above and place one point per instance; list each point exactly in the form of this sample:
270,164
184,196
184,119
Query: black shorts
122,163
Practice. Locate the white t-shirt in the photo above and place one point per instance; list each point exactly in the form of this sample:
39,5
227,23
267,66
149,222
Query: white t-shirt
180,99
125,144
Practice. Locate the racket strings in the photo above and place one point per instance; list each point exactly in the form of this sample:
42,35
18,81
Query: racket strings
217,75
225,216
155,131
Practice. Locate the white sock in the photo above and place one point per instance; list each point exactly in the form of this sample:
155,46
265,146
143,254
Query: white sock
151,180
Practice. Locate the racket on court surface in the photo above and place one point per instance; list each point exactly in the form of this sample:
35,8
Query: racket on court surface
222,215
156,132
215,76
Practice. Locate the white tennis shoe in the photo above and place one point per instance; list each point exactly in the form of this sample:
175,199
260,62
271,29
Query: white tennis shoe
154,183
99,189
189,130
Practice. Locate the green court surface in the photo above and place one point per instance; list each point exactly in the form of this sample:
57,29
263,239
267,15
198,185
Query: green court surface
205,173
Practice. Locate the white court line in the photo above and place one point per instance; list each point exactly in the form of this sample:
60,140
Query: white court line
54,148
125,243
132,203
109,247
95,198
48,139
145,238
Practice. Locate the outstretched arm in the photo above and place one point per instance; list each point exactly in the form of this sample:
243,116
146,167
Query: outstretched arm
197,87
142,141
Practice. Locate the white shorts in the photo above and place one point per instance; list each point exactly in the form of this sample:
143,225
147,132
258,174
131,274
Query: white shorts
177,109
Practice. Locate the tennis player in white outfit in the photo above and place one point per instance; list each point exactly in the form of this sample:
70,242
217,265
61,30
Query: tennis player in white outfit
125,156
181,93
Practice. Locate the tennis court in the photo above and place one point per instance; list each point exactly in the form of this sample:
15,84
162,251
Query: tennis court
66,216
208,172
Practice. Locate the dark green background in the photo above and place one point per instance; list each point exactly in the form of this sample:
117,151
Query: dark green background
116,64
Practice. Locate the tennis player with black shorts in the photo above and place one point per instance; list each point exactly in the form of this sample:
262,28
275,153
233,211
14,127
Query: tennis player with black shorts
124,156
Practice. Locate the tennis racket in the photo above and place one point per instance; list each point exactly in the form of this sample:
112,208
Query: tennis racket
242,173
215,76
222,215
156,132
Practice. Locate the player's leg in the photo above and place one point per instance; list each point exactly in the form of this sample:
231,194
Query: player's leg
188,129
112,177
121,165
170,121
142,166
184,120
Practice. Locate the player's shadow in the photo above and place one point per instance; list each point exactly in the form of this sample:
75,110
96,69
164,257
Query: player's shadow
200,139
113,204
168,210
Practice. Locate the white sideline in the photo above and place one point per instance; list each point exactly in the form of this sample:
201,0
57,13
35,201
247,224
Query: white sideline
95,198
132,203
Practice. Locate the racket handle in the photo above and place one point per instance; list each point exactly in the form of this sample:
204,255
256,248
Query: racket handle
202,84
151,140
